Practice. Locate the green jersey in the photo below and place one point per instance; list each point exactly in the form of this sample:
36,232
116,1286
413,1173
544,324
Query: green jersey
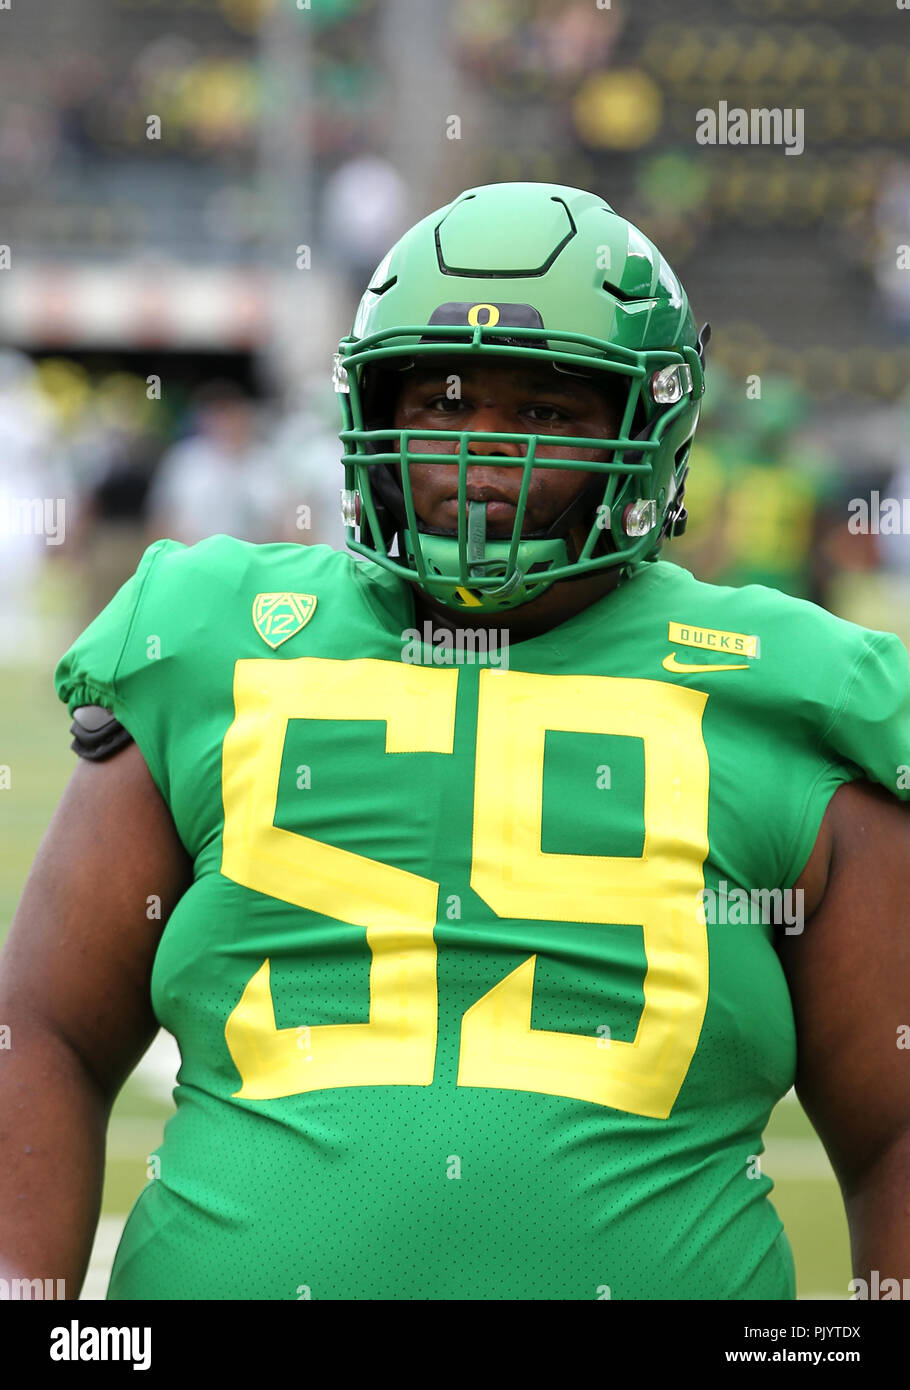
475,987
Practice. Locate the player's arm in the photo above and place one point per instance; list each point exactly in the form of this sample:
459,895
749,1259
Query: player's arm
74,992
849,978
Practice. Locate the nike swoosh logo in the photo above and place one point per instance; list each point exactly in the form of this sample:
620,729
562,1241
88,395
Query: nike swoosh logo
670,663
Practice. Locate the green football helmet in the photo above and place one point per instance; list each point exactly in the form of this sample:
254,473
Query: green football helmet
530,272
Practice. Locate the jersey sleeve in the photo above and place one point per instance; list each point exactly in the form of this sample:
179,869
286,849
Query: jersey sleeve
866,737
90,672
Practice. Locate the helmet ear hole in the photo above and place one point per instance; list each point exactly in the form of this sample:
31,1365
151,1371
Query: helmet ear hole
681,457
678,516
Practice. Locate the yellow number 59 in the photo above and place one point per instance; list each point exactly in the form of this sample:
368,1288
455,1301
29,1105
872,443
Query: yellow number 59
513,875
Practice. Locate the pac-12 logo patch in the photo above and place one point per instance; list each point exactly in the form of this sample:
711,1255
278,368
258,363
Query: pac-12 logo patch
277,617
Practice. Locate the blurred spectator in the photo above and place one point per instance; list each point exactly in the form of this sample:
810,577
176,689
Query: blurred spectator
307,453
32,506
221,479
120,447
365,210
878,593
757,497
892,271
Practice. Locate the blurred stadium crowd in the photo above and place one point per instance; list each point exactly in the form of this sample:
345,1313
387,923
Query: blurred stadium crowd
135,259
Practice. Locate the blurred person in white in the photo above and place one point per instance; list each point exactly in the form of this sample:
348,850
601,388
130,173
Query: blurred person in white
222,479
892,216
307,453
32,507
365,206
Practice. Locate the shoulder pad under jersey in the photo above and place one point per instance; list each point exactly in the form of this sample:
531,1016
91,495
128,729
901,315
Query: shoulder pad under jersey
97,734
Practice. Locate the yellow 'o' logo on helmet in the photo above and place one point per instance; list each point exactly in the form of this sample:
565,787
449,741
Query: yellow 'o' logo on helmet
491,319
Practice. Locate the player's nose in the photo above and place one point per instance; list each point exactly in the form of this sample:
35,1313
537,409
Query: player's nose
491,419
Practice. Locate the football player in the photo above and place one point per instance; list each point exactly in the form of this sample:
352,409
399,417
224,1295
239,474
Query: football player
486,975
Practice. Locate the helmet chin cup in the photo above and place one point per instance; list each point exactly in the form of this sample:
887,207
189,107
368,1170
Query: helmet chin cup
491,586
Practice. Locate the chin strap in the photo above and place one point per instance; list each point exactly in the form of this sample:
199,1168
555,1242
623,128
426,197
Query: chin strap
477,534
478,564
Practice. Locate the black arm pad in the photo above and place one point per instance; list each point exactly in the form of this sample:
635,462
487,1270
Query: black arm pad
98,735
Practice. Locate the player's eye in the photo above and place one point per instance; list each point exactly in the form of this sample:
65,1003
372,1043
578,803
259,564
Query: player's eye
446,404
545,414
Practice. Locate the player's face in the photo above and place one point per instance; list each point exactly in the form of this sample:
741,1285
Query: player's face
501,397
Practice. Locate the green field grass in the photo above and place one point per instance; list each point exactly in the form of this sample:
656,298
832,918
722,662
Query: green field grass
34,743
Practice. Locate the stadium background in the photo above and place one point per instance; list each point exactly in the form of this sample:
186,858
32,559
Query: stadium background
223,261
